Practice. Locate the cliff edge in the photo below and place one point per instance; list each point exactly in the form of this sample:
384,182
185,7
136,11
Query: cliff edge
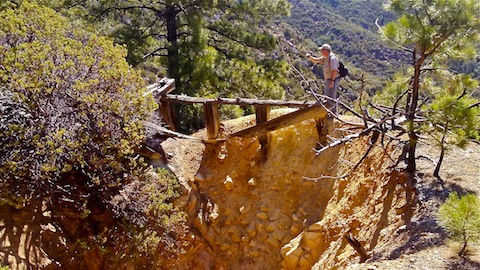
286,207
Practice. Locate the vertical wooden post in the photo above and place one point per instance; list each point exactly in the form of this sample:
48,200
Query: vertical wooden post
212,120
168,114
262,112
325,127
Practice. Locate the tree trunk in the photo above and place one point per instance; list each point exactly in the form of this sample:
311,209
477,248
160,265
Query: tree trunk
461,253
436,172
410,110
172,37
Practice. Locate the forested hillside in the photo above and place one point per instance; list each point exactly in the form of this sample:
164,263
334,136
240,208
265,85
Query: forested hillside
349,26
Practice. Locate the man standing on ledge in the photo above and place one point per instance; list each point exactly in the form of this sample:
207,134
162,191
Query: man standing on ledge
330,73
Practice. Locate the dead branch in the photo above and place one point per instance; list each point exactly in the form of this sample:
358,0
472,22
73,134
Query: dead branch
474,105
364,132
168,132
325,177
358,247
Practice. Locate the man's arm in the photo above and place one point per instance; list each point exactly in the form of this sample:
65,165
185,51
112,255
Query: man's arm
334,65
334,73
314,59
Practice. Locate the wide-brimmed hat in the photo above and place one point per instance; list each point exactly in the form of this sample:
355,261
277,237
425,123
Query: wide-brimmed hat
325,47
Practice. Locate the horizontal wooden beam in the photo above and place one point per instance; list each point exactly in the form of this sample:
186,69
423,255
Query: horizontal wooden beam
167,132
316,111
162,88
238,101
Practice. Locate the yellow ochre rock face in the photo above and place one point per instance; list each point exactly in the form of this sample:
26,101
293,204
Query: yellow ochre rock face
285,208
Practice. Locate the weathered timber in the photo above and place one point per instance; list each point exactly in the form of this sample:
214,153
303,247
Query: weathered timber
162,88
313,112
168,132
262,112
212,120
358,247
168,114
159,91
238,101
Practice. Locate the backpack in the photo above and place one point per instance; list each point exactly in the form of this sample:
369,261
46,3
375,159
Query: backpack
342,70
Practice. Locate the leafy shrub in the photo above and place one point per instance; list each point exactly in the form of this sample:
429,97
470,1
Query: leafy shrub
460,216
71,112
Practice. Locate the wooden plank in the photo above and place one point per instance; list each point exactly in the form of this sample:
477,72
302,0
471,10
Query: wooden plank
262,112
238,101
212,120
313,112
167,132
162,88
168,114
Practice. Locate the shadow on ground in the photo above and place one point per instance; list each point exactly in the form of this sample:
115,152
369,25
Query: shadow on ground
424,232
461,263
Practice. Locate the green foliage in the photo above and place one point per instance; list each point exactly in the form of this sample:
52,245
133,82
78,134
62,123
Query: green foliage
210,48
70,123
460,216
448,28
349,26
82,104
393,91
451,112
153,226
434,32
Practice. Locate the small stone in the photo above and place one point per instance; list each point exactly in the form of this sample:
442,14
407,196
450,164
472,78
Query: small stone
271,227
305,262
213,216
251,230
199,177
296,229
273,242
292,258
278,234
312,239
228,183
262,216
315,227
252,182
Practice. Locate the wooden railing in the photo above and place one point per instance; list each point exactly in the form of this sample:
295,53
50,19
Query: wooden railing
308,110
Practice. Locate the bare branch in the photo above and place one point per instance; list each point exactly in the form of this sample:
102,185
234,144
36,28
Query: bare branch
160,13
474,105
155,53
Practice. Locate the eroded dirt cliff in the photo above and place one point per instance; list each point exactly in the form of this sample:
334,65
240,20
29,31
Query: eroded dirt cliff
285,208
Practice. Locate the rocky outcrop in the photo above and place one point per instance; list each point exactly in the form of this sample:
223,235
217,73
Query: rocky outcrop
287,209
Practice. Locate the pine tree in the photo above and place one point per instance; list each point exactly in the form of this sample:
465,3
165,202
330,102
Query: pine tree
211,48
452,117
460,216
433,32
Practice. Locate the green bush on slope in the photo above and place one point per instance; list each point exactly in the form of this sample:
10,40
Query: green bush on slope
71,119
460,216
